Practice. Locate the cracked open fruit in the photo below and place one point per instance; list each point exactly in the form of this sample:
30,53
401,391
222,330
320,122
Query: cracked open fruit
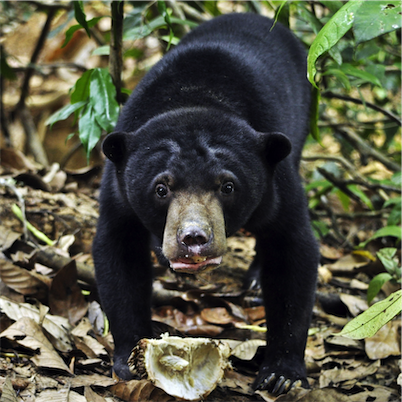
187,368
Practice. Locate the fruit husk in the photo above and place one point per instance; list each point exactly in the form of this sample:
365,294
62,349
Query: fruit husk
187,368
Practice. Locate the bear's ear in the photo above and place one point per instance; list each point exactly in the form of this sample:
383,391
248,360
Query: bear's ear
115,146
276,147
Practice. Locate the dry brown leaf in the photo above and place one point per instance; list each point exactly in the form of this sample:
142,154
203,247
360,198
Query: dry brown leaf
62,395
92,396
139,390
8,393
16,159
355,305
7,237
57,327
26,332
255,313
81,331
96,380
237,382
217,315
315,395
65,297
355,372
23,281
385,343
348,264
247,350
374,392
324,274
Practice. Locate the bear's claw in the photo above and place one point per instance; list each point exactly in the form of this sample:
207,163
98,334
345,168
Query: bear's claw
276,385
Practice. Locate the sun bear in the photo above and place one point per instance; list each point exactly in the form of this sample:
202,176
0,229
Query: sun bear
210,142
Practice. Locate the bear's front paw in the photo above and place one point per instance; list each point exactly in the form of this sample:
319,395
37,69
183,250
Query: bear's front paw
120,368
278,381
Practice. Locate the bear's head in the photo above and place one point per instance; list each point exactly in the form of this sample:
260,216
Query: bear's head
193,177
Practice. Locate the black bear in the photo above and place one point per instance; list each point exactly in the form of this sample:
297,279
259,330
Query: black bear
209,142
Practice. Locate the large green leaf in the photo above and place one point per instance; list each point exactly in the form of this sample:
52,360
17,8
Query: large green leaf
369,322
80,16
71,31
102,97
375,18
81,88
392,231
64,112
330,34
89,130
363,75
376,284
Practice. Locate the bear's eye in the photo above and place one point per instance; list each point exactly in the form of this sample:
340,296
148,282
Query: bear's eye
227,188
161,190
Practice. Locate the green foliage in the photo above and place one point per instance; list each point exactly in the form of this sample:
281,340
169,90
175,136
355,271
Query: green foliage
393,231
93,103
391,264
375,317
80,16
330,34
375,18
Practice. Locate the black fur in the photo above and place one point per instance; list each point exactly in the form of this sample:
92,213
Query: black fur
215,105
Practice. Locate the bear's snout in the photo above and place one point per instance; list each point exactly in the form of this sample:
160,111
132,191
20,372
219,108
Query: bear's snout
194,238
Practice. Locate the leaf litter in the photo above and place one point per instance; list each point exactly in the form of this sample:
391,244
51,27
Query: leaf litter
54,330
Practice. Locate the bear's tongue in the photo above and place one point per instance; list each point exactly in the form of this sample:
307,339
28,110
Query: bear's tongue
189,266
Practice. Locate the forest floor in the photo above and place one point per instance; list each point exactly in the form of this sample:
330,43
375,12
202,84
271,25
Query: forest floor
52,325
55,343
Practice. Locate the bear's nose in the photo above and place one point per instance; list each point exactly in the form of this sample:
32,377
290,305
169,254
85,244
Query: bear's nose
192,236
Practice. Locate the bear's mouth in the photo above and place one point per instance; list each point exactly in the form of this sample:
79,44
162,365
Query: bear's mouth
189,266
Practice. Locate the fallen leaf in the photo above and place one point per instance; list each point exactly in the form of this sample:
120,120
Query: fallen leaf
355,305
385,343
8,393
139,390
23,281
28,333
217,315
65,296
57,327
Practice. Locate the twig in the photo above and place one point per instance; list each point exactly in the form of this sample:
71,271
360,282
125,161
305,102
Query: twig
116,46
355,215
50,258
193,13
338,183
341,238
33,141
339,159
3,119
390,115
347,165
51,66
10,185
34,58
373,186
351,136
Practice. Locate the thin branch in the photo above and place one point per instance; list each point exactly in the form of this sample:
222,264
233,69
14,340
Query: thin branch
366,149
339,184
116,46
390,115
3,118
34,57
360,179
339,159
355,215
